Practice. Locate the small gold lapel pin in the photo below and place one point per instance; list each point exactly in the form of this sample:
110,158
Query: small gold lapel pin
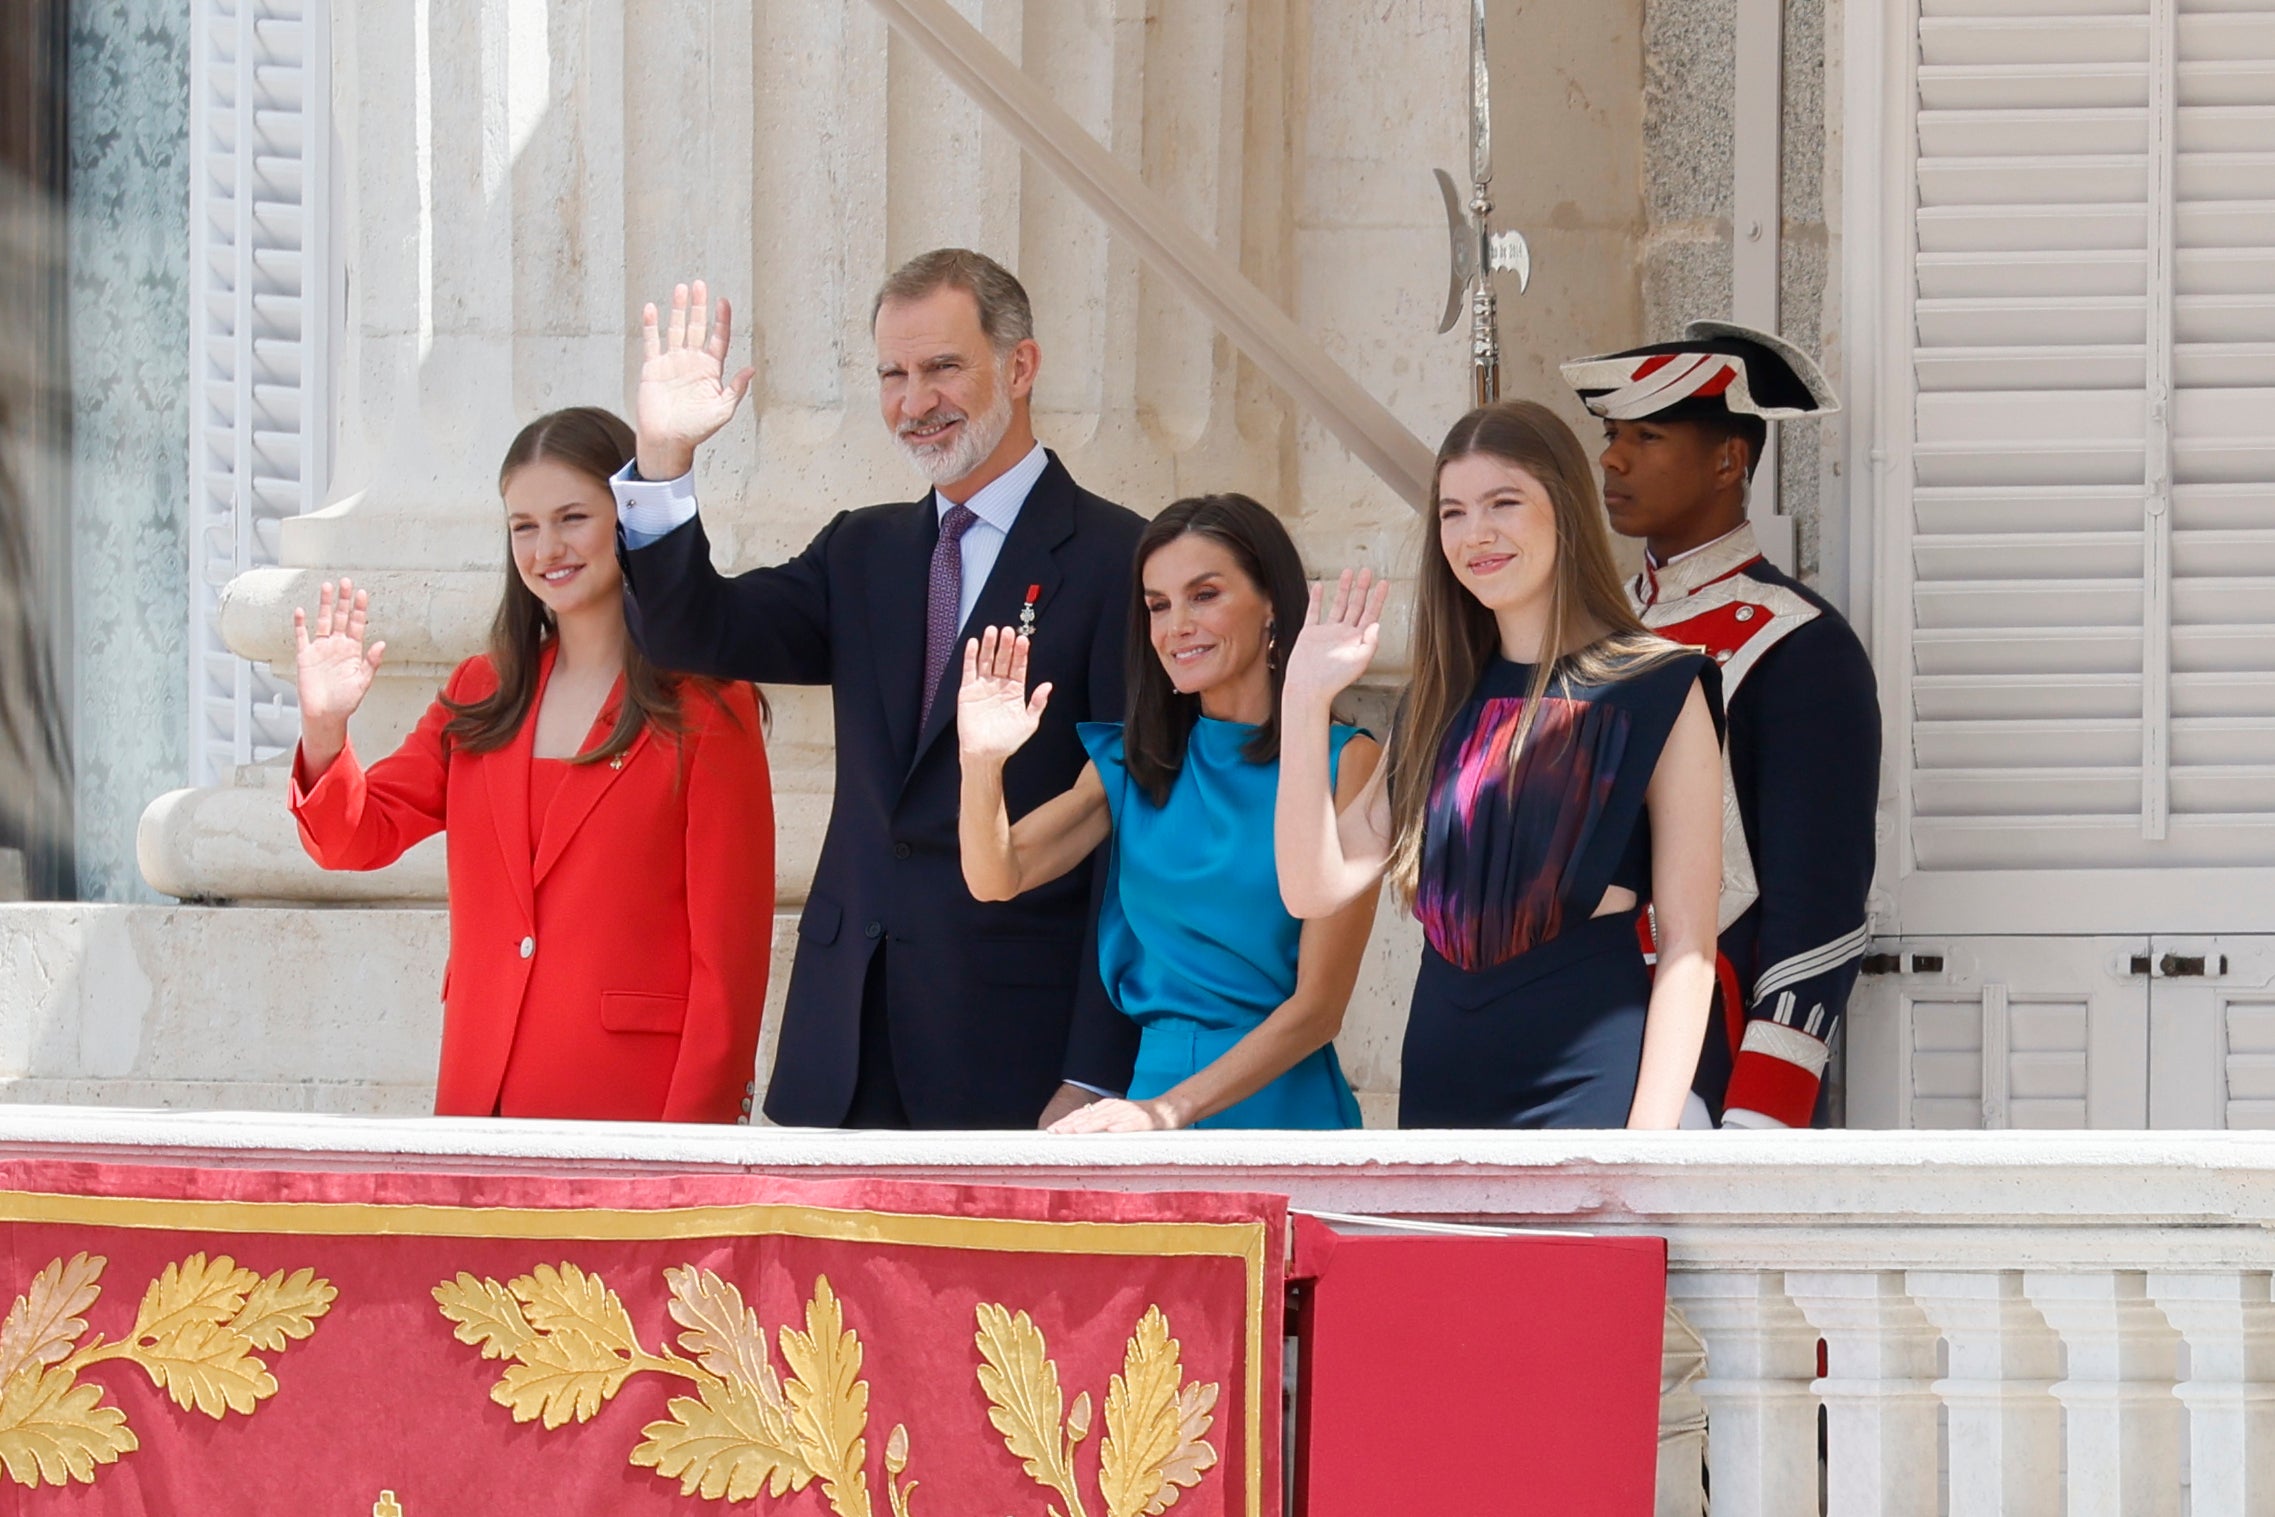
385,1506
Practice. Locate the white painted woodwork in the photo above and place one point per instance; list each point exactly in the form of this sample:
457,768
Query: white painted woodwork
2072,440
2167,1031
2007,1033
260,356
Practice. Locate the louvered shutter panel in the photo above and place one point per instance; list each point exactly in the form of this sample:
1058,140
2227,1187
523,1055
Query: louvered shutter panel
2092,508
259,320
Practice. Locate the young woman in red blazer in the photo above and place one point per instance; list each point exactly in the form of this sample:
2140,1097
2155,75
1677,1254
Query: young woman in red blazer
611,827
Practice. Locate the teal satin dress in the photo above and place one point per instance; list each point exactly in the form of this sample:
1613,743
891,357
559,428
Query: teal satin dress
1193,942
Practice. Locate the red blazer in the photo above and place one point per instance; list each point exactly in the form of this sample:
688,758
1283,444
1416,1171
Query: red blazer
619,970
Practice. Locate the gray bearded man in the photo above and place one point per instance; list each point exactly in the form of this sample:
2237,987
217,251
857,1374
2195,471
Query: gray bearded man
910,1003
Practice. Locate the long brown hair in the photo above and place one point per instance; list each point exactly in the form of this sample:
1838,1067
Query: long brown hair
596,443
1594,634
1160,720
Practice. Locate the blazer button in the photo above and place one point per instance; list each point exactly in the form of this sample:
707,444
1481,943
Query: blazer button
528,947
900,850
873,930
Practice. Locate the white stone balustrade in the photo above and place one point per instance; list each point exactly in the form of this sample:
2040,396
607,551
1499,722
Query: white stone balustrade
2003,1313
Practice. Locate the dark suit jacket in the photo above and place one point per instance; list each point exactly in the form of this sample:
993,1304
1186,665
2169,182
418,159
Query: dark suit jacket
990,1005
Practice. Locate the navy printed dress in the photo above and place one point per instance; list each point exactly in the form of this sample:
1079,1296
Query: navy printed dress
1529,1009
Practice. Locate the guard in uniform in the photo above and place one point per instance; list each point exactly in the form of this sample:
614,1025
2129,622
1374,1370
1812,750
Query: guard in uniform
1684,425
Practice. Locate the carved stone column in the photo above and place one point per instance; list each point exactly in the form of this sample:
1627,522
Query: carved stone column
1761,1410
520,174
2123,1420
2002,1361
2228,1322
1879,1413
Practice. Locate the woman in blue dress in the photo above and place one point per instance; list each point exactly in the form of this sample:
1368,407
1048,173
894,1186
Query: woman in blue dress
1236,1002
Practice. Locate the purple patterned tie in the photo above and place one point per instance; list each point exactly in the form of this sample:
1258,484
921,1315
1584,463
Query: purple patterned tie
942,600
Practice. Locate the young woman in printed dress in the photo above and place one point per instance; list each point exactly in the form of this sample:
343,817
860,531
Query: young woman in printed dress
1554,769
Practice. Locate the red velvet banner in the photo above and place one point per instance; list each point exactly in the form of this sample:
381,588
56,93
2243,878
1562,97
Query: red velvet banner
209,1341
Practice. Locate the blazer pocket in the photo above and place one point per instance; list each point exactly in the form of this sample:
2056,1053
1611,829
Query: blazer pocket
636,1011
819,922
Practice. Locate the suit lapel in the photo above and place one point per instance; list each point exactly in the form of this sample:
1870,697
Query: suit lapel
582,787
506,771
897,589
1029,558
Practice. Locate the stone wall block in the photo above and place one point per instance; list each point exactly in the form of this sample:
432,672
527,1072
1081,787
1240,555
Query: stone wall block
141,997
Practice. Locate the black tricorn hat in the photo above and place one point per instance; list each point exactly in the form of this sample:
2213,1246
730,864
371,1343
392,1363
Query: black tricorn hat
1718,369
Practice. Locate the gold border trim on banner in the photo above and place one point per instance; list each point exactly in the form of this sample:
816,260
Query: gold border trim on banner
1011,1235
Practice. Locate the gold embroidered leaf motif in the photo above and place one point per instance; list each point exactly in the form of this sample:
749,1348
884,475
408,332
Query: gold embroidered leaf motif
486,1314
49,1317
52,1431
283,1308
1195,1455
1146,1427
722,1446
829,1401
554,1299
722,1334
206,1366
1024,1401
562,1374
193,1291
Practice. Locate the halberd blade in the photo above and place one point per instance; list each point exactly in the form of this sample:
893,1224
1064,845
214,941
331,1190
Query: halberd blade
1464,240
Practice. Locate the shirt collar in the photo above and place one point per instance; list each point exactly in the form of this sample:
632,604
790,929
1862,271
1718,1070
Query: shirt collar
998,501
1690,572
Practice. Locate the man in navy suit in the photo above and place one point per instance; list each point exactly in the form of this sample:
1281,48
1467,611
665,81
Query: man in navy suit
910,1004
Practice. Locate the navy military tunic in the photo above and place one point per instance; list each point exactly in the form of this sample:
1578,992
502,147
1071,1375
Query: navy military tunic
1802,781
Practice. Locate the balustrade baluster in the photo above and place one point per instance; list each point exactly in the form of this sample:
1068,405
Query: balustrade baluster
2122,1418
2228,1322
1761,1415
1879,1410
2001,1362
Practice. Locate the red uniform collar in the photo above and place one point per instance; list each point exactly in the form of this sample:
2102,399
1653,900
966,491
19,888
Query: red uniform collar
1732,553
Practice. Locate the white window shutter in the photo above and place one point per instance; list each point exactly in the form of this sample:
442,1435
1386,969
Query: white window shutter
2091,676
260,132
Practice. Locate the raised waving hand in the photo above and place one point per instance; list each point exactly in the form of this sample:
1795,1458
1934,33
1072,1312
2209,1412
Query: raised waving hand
685,396
1338,642
334,669
994,713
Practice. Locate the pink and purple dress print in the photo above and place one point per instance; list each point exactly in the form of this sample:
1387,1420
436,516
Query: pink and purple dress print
1528,1010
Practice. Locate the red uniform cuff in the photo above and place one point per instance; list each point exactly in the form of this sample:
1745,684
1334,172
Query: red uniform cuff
1772,1086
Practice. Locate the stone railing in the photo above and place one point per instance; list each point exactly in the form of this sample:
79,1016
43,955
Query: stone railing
2012,1323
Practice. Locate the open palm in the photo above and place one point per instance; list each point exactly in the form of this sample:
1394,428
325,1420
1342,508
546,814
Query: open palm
994,713
1339,640
684,396
334,667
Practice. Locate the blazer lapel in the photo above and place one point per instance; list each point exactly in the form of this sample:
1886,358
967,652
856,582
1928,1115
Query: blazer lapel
898,590
506,770
582,787
1029,558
